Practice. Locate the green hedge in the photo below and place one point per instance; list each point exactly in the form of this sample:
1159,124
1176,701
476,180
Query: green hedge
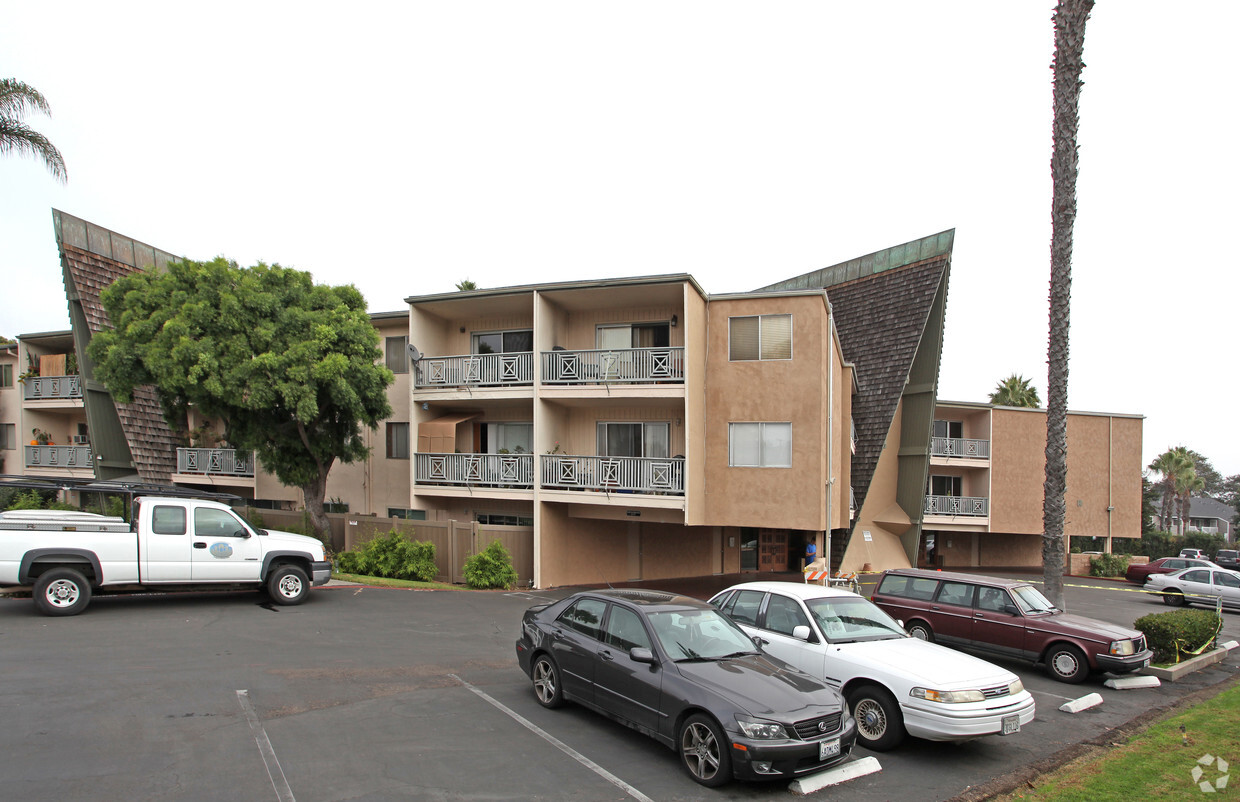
1179,633
490,568
393,555
1108,565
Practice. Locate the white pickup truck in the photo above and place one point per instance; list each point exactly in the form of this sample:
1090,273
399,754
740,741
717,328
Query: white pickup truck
174,544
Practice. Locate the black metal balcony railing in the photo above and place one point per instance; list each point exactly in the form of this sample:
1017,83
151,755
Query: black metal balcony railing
483,370
965,506
59,457
474,470
959,447
631,365
43,388
664,476
215,461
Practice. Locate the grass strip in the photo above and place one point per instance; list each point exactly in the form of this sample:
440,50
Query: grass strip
383,582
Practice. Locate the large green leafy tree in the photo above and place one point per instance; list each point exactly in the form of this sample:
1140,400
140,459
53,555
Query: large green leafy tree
291,367
16,101
1016,391
1069,21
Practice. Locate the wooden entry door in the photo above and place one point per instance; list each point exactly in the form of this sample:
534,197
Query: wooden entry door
772,550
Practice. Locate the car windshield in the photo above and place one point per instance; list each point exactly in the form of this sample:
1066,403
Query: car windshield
846,619
700,635
1031,600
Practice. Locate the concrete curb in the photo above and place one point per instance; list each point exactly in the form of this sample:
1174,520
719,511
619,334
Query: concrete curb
1188,666
840,774
1084,703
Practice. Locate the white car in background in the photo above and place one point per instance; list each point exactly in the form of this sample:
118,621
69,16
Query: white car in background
1196,586
895,684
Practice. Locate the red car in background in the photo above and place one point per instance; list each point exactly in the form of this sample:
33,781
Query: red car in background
1164,565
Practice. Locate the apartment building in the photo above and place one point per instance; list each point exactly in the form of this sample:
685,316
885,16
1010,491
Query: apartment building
983,499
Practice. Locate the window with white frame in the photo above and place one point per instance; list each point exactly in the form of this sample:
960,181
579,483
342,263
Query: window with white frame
760,445
508,438
398,441
759,337
946,486
397,361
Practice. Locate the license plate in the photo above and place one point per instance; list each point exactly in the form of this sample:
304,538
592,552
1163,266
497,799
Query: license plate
1145,663
828,749
1011,724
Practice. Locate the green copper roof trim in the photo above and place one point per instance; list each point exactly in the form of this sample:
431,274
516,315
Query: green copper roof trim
931,247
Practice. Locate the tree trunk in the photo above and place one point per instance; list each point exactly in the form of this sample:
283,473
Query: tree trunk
313,493
1069,21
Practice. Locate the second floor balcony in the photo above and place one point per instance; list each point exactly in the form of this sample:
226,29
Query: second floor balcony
474,470
655,475
958,506
959,447
476,370
624,366
51,388
60,457
215,462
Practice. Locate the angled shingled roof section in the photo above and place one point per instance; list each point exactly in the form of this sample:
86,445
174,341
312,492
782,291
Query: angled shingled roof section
93,258
881,303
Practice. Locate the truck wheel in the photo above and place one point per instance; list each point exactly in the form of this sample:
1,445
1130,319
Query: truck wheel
61,591
287,584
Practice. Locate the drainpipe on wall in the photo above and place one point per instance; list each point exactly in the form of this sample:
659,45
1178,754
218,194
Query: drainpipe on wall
830,431
1110,478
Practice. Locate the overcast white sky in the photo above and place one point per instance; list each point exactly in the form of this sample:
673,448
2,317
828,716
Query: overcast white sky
405,147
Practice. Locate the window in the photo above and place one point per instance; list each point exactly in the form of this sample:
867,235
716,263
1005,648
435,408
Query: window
624,630
584,616
949,428
408,515
397,360
744,608
398,441
508,438
168,520
783,614
1226,580
505,520
1199,575
209,522
946,486
760,337
992,599
957,593
632,439
645,335
8,436
503,342
6,375
760,445
909,587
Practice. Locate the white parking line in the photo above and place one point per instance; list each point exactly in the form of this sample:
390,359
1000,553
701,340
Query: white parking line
278,782
558,744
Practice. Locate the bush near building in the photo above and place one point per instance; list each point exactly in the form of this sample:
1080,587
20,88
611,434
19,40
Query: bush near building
1179,633
490,568
1108,565
393,555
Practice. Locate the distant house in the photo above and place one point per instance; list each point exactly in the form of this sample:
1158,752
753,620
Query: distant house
1207,515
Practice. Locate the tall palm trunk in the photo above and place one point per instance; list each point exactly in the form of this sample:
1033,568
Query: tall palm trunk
1070,18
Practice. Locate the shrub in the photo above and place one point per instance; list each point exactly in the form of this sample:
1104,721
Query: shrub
1179,632
1108,565
62,505
393,555
116,507
30,500
490,568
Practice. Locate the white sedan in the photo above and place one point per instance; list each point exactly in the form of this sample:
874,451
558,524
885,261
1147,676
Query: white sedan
1197,586
895,684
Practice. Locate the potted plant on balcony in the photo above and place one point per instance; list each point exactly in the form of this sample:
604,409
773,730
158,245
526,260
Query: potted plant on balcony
41,438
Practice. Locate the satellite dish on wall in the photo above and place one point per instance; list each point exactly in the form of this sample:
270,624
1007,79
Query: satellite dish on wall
414,353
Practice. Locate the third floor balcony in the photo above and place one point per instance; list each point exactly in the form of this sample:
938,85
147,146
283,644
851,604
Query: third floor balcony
958,506
511,369
52,388
959,447
619,366
215,462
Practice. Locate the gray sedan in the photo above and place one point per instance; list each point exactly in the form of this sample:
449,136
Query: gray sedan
1197,586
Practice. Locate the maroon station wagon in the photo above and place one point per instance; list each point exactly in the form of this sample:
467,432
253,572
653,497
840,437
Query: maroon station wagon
1007,618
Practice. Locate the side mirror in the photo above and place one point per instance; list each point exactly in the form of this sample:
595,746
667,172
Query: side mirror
640,654
242,533
801,632
1010,609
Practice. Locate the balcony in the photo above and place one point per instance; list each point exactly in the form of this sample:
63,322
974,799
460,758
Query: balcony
624,366
476,370
660,476
958,506
475,470
60,457
959,447
52,388
215,462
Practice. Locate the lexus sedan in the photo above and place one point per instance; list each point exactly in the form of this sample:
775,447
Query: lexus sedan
1197,586
1140,572
895,684
678,670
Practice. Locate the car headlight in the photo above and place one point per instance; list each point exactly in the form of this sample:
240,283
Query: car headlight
1123,648
947,697
1016,687
761,730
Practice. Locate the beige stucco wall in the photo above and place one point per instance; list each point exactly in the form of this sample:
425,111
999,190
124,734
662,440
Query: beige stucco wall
768,391
694,332
884,549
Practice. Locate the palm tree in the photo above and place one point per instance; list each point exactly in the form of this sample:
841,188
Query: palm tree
16,101
1069,21
1172,464
466,286
1186,484
1016,391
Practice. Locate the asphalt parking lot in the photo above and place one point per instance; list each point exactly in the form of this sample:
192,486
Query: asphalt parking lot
372,694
